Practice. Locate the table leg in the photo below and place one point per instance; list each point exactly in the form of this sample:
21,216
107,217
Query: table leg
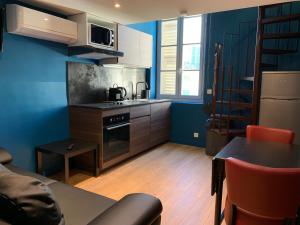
219,178
39,162
96,164
67,169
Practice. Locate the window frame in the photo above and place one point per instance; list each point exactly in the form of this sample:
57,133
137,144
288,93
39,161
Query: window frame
179,69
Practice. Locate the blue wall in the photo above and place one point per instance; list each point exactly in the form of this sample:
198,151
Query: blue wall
33,89
32,95
188,118
150,28
218,24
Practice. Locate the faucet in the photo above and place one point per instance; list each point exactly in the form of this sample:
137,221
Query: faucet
136,88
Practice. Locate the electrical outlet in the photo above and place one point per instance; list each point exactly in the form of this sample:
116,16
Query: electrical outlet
196,135
209,91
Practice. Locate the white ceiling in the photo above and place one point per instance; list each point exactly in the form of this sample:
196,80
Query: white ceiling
134,11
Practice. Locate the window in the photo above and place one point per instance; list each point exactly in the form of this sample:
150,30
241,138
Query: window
180,70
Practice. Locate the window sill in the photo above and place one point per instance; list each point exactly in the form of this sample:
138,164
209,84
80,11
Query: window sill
186,101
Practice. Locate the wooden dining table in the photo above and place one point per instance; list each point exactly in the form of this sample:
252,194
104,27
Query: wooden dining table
270,154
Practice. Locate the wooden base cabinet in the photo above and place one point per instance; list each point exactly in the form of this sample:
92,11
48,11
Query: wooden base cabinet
160,123
149,126
139,135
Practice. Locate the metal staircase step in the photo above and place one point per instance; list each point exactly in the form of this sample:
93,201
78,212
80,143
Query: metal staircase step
270,51
268,65
240,91
233,117
247,79
272,5
243,105
281,35
280,19
231,132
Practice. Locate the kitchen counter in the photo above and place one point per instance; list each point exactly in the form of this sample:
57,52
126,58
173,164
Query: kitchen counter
126,103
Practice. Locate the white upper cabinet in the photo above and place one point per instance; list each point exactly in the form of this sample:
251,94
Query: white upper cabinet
128,44
146,49
137,47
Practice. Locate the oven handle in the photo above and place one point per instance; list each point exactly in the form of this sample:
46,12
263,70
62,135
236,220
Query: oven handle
117,126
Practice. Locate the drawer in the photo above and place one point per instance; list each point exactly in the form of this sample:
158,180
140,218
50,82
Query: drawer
139,111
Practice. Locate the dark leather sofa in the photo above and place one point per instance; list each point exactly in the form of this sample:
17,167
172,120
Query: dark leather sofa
84,208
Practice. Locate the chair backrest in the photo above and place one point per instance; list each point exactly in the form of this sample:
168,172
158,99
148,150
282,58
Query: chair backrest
261,133
263,191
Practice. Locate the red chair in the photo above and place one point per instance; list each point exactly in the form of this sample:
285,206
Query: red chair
259,195
261,133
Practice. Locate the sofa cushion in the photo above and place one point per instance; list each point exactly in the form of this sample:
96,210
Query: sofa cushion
3,168
26,200
78,206
5,157
17,170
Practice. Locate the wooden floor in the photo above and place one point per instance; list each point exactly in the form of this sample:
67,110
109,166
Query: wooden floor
179,175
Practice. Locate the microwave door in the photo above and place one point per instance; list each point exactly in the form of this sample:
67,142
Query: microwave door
100,35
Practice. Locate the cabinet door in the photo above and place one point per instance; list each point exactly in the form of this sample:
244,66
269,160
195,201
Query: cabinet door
160,123
128,42
139,135
145,50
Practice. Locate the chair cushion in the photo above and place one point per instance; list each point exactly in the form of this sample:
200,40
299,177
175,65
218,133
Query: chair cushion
243,218
26,200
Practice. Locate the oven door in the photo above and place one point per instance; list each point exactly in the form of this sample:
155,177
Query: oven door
115,141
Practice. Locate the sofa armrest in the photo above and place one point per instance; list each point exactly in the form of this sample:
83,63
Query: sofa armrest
5,156
133,209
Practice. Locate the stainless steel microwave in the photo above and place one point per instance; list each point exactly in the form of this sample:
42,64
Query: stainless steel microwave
101,36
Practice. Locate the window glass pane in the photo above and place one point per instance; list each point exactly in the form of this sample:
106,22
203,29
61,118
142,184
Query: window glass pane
191,57
192,30
190,83
168,83
169,32
168,58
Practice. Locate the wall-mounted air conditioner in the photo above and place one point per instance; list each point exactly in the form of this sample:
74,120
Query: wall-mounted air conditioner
33,23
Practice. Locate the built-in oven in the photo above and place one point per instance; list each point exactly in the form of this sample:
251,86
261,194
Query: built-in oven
116,130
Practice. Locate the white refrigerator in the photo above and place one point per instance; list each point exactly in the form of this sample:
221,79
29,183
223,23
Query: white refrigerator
280,101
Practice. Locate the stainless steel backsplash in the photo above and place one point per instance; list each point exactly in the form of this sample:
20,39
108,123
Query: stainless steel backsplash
87,83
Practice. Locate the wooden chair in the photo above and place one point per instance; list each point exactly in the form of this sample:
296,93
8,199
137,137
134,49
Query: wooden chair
259,195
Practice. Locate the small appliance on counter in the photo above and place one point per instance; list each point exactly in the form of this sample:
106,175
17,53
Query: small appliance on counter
145,93
117,93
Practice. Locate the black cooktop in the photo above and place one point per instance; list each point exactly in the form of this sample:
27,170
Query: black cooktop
120,104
